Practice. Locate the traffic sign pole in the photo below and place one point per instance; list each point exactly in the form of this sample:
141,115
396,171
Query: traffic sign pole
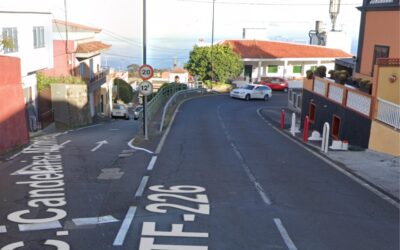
145,88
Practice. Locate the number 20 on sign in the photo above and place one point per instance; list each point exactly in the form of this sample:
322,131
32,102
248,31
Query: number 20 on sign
146,72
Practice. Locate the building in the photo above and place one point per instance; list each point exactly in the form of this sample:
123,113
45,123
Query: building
289,60
77,52
30,34
367,120
183,75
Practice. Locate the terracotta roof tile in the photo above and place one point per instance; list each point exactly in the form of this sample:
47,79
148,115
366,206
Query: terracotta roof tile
91,47
269,49
178,70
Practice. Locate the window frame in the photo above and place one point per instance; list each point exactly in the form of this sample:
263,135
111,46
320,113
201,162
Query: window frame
10,33
375,55
270,67
300,67
38,37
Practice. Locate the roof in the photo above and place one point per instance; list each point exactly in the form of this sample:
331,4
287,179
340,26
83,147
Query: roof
76,25
178,70
270,49
90,47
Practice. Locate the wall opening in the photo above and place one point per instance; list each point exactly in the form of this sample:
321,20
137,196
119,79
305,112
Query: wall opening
335,126
311,112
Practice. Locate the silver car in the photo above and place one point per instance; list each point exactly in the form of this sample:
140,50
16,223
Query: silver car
119,110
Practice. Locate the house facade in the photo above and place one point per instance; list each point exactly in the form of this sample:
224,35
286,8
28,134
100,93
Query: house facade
30,37
80,55
280,59
367,120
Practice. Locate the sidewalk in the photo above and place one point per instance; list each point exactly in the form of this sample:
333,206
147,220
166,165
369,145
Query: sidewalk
380,170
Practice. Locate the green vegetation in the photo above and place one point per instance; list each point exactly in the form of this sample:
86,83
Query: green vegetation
125,92
226,63
45,81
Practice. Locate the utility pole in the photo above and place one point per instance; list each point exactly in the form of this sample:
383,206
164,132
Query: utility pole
144,62
212,42
66,34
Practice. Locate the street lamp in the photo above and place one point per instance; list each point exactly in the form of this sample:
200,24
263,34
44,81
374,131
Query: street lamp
334,7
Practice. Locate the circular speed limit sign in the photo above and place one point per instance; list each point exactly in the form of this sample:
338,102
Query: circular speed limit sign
146,72
146,88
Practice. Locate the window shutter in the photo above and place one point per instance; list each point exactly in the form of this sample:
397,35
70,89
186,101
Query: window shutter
35,42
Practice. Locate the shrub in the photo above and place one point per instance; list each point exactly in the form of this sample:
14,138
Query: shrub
309,74
44,81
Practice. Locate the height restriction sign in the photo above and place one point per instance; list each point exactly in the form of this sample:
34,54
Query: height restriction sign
146,72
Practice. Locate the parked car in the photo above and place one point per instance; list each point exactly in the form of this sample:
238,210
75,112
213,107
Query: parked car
275,83
119,110
137,111
252,91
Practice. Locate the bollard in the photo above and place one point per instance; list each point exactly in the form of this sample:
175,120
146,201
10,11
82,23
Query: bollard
325,138
305,130
282,119
293,125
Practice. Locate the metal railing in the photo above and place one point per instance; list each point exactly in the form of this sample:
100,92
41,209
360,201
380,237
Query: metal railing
388,113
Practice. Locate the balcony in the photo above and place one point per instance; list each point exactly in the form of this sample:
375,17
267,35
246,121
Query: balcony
96,80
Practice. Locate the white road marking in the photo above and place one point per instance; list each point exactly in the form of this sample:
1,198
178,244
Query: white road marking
348,174
62,233
245,167
289,243
114,129
189,217
137,148
99,144
39,226
89,126
3,229
119,240
147,243
14,246
65,143
149,229
142,186
152,162
13,156
94,220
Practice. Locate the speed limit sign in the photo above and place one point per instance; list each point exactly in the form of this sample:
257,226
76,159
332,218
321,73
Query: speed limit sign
146,88
146,72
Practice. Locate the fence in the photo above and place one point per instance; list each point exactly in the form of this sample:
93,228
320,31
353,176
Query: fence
388,113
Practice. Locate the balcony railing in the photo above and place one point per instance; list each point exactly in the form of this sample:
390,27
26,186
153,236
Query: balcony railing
96,80
382,2
388,113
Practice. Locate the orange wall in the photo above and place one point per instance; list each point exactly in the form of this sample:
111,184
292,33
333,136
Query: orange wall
389,91
381,28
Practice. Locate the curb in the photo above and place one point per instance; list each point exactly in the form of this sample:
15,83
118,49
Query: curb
396,200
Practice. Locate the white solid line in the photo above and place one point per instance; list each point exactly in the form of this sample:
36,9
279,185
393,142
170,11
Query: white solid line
39,226
15,155
119,240
94,220
65,143
89,126
137,148
3,229
152,162
142,186
289,243
330,163
62,233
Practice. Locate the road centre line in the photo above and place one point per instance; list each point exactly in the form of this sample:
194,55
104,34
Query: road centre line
39,226
289,243
152,163
94,220
3,229
332,164
142,186
62,233
119,239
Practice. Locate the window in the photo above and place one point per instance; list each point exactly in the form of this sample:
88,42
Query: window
272,68
11,36
313,68
297,69
379,52
38,37
82,69
311,112
335,126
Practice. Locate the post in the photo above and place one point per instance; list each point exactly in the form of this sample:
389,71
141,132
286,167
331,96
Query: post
305,129
282,119
144,62
212,42
325,138
293,125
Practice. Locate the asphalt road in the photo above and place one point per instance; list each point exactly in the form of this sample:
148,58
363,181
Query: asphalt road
224,179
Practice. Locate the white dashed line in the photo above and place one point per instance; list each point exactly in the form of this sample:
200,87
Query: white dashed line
142,186
62,233
39,226
289,243
119,240
189,217
152,162
3,229
94,220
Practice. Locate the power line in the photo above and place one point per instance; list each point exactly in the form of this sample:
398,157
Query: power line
266,4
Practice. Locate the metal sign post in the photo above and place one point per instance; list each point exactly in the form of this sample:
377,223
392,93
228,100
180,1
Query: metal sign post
145,88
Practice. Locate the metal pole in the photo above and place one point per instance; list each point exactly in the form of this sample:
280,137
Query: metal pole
212,43
144,62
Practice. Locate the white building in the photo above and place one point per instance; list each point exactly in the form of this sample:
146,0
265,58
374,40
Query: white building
281,59
30,32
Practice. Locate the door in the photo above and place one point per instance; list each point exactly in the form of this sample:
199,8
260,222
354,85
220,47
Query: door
248,72
258,92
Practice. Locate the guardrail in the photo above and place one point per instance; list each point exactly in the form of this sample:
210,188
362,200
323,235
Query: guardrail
388,113
173,98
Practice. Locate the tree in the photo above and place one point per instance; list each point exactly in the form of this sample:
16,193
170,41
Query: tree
226,63
125,92
5,43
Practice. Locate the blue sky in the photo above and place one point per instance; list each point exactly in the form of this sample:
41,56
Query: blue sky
174,26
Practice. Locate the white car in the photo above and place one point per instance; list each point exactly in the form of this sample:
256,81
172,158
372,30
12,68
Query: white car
252,91
119,110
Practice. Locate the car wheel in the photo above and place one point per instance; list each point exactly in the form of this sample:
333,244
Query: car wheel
285,90
266,97
247,98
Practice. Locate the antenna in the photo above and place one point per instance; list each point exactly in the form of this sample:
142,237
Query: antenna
334,7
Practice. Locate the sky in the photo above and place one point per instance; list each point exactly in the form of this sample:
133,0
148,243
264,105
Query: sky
174,26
